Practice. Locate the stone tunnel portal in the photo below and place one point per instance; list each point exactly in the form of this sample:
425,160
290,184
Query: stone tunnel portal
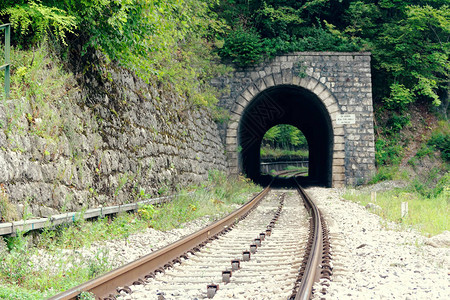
296,106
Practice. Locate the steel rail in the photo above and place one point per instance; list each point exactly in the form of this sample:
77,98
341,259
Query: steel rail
312,272
107,284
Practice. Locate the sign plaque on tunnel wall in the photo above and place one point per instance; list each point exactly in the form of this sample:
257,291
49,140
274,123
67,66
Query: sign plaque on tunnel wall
343,119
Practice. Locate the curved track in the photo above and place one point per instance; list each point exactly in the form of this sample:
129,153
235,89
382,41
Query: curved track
267,255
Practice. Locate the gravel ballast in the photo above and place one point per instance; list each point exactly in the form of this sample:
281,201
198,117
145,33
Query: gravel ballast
372,258
375,259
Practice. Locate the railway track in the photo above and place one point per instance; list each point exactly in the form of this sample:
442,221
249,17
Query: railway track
274,252
290,173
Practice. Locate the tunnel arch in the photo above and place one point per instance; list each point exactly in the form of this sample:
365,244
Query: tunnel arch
279,98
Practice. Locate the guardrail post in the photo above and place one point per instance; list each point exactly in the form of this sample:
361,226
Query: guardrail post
6,66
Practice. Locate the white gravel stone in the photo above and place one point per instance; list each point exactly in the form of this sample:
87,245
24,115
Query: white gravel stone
120,251
375,259
372,258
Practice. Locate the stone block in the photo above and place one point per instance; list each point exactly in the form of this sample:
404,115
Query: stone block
338,169
340,177
338,154
260,85
287,76
237,109
247,95
339,147
338,183
319,88
253,90
231,140
286,65
269,81
254,75
312,84
304,82
276,69
339,140
338,161
278,79
296,80
332,109
339,131
233,125
234,170
325,94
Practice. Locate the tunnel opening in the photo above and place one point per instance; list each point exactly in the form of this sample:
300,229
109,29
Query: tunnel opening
284,152
295,106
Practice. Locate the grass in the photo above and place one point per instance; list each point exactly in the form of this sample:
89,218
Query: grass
20,278
207,200
428,215
39,88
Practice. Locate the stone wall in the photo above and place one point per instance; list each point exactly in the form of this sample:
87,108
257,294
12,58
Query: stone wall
342,82
121,138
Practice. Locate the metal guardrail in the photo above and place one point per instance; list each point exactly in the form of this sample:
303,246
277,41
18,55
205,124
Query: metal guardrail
7,64
70,217
266,167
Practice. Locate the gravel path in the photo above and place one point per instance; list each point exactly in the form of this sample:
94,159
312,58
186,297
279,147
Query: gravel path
374,259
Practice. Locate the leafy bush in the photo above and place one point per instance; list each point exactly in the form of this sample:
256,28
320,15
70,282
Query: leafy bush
15,266
36,21
165,41
242,47
399,98
384,173
388,152
396,123
432,184
440,140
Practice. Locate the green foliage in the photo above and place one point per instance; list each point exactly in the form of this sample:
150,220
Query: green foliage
409,40
213,198
40,88
432,184
429,216
440,140
282,142
396,123
167,42
163,40
399,98
423,151
98,264
387,173
388,151
285,136
8,292
86,296
15,265
242,47
36,21
148,213
410,49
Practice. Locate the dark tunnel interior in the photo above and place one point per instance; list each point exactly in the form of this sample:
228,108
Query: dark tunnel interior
295,106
